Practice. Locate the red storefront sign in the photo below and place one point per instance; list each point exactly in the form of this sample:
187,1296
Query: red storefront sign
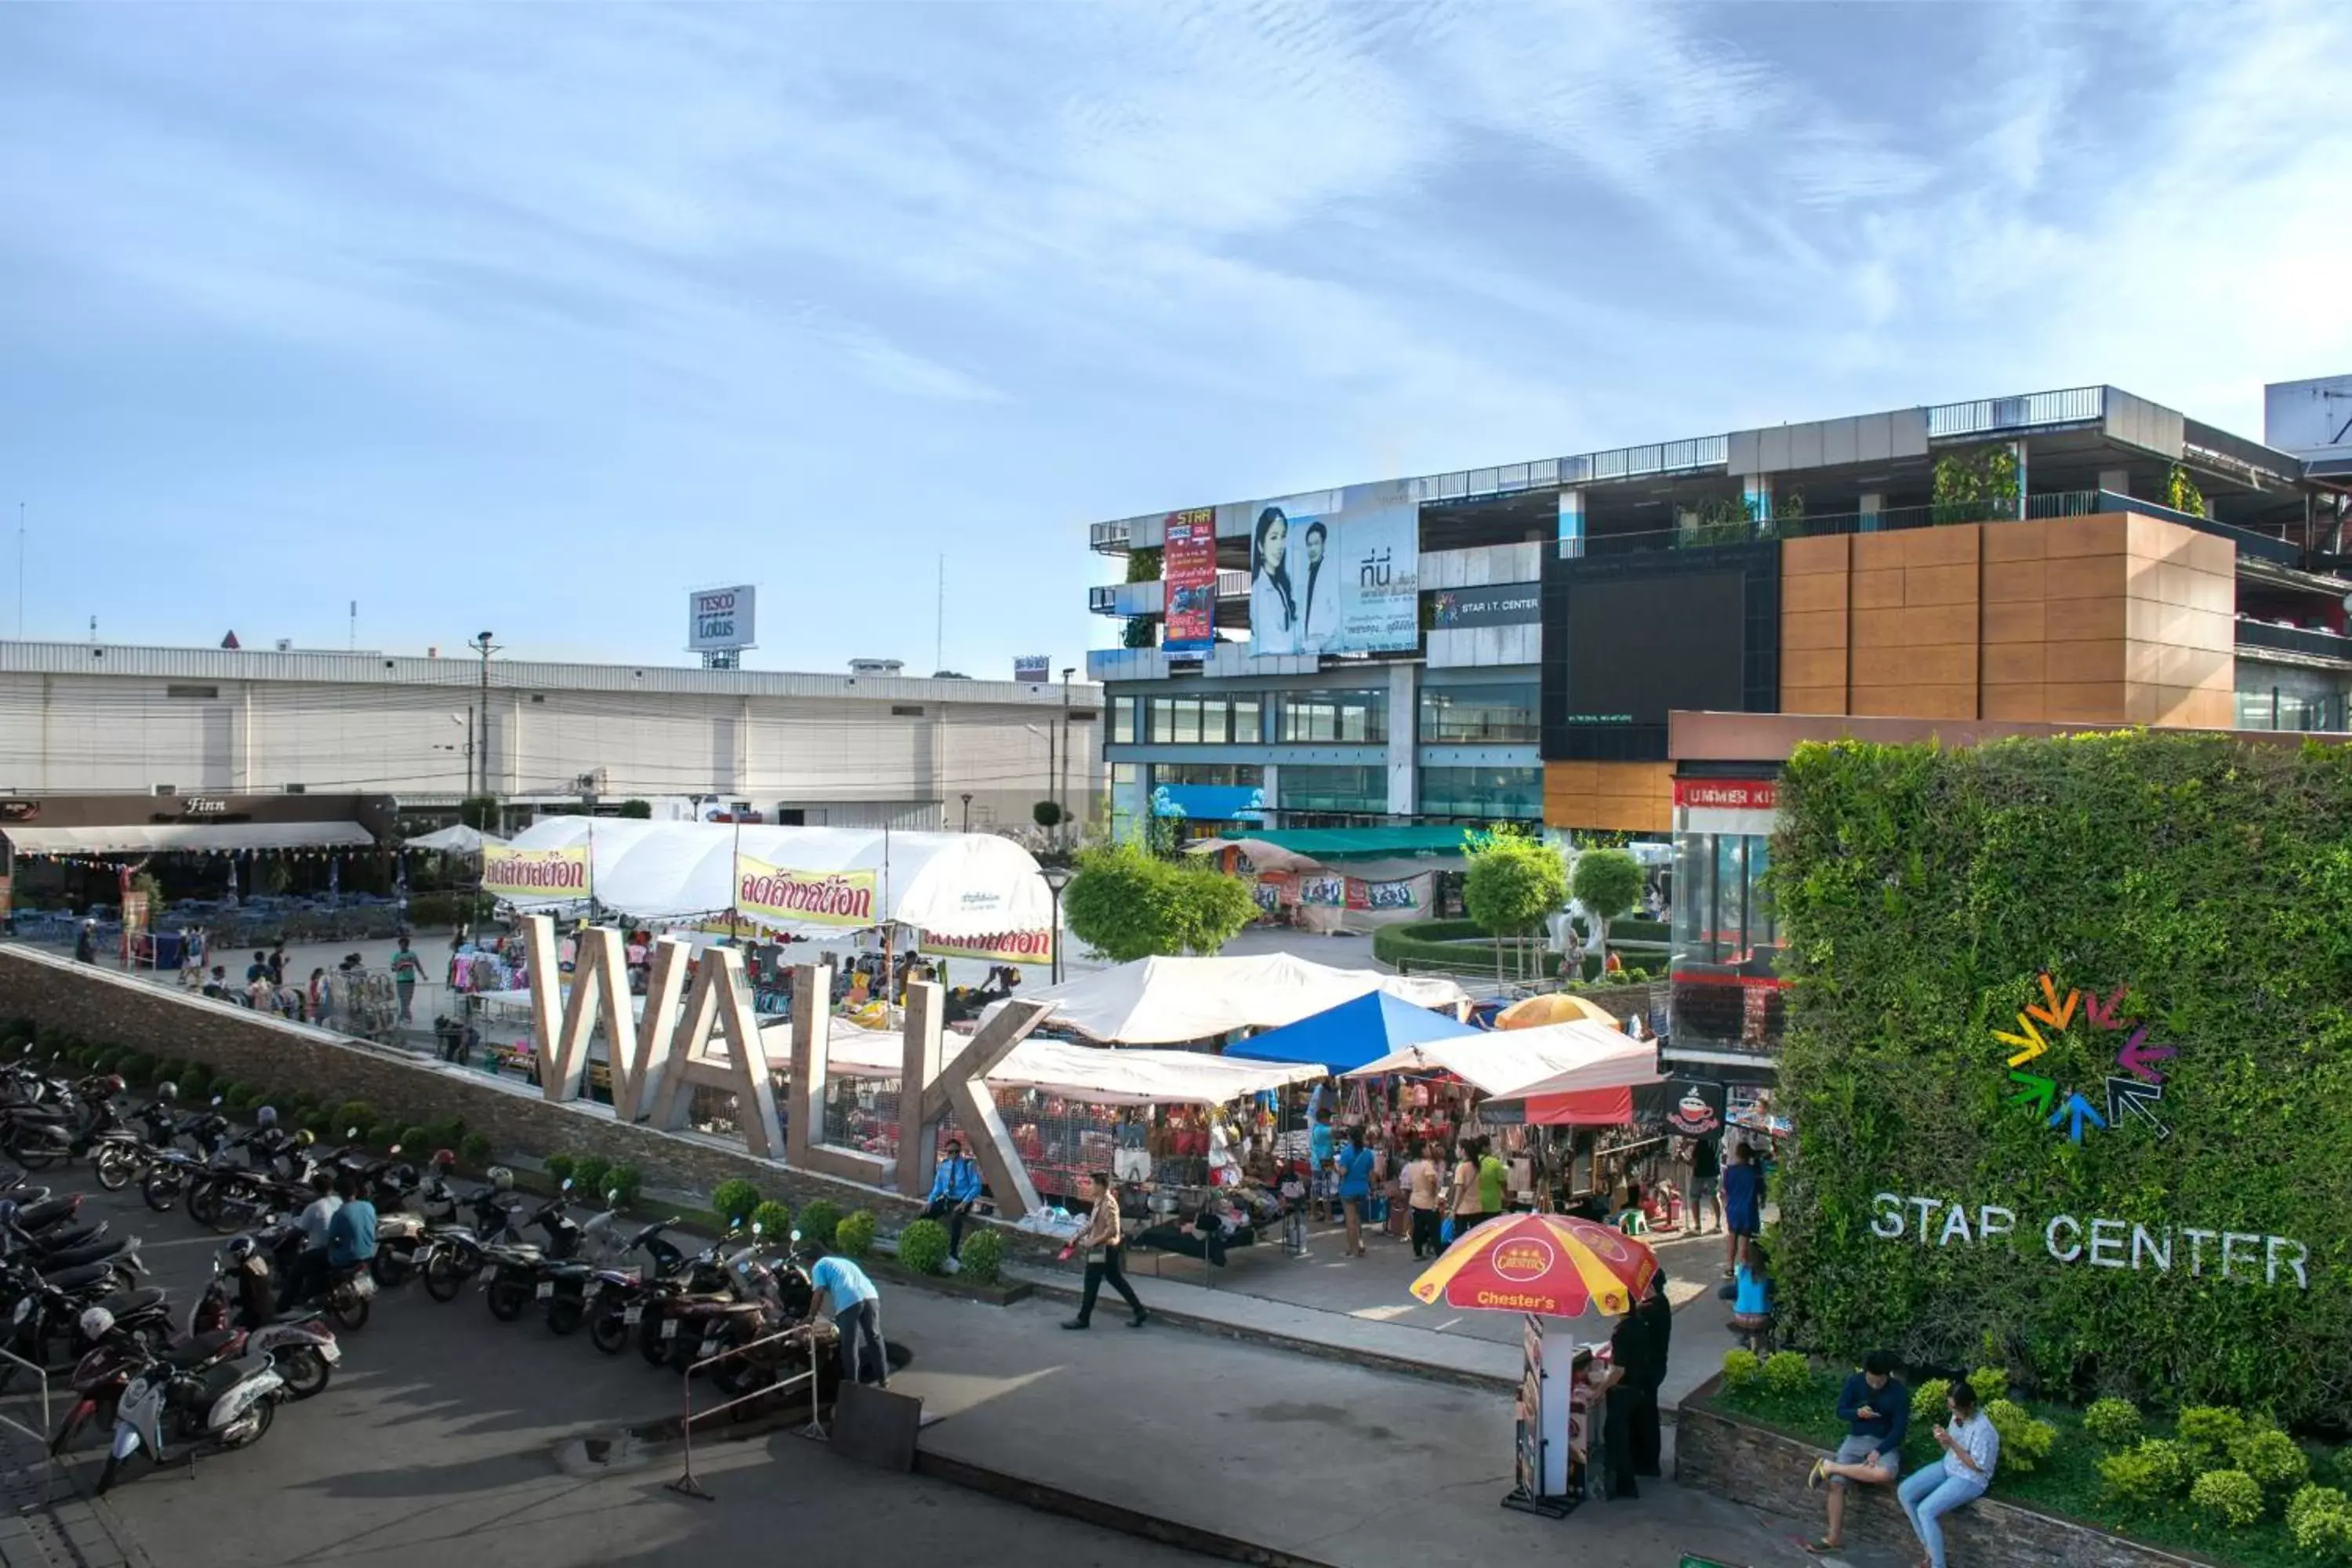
1728,795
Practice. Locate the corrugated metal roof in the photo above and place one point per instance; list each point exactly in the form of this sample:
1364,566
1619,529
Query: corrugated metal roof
380,669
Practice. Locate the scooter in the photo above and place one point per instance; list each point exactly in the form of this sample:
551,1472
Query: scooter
599,1246
521,1271
454,1254
163,1410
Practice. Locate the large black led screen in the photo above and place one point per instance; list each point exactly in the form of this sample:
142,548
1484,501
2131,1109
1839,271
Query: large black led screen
1639,647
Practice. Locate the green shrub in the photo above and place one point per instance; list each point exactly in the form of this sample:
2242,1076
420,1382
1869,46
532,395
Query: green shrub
733,1201
2319,1520
2342,1459
475,1150
412,1143
1786,1371
2233,1496
1928,1400
197,1078
983,1256
819,1220
1741,1368
923,1246
136,1069
1990,1383
446,1132
2209,1429
588,1174
2025,1443
774,1220
2272,1458
2149,1471
625,1180
852,1235
559,1168
320,1124
2112,1421
352,1113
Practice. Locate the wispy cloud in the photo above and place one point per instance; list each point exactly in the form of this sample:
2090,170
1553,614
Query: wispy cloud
731,267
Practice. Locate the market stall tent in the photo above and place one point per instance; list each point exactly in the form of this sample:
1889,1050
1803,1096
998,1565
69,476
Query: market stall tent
456,839
1095,1074
1169,1001
1355,1032
956,884
1556,1058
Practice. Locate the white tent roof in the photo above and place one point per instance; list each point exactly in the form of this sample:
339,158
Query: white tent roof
1516,1063
1168,1001
1094,1074
957,884
456,839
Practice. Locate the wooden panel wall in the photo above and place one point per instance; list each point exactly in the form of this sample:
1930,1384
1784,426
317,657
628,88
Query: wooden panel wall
1915,631
2180,601
1631,798
1815,596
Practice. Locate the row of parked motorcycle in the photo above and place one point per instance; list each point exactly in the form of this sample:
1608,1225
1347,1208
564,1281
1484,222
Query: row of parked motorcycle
78,1306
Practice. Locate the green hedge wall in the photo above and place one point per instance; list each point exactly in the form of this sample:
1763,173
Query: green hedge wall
1923,893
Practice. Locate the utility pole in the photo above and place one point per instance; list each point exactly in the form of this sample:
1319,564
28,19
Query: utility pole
1063,799
483,645
967,811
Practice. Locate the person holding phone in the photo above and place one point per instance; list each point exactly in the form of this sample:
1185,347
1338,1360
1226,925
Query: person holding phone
1971,1447
1877,1410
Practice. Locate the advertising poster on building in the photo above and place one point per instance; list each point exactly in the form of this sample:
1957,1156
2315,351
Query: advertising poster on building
1187,569
535,876
781,896
1345,583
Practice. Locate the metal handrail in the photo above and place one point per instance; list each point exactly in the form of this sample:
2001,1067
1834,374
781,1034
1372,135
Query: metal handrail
686,1485
41,1378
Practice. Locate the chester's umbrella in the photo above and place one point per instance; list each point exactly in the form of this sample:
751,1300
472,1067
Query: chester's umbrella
1547,1264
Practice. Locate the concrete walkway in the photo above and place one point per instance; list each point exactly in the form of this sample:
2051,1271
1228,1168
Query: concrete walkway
1323,1462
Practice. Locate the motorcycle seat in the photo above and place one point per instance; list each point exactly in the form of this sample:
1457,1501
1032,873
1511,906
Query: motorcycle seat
130,1301
70,1281
203,1348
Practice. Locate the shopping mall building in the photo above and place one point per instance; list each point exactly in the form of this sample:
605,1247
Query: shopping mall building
1507,643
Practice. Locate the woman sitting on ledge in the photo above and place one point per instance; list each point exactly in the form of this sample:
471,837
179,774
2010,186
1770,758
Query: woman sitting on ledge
1971,1452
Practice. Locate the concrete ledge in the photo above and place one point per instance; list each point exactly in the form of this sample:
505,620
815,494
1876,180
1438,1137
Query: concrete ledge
1048,1498
1763,1468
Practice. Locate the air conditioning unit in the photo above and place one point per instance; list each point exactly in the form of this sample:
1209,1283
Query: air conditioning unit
164,789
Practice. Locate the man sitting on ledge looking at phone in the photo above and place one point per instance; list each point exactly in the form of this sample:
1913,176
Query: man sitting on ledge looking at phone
1878,1413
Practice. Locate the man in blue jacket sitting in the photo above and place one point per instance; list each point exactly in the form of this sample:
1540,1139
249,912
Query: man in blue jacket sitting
954,1190
1877,1410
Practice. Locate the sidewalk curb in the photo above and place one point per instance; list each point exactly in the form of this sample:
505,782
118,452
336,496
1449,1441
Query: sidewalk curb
1046,1497
1370,1360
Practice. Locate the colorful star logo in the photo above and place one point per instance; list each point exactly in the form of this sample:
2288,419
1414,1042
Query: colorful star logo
2135,1089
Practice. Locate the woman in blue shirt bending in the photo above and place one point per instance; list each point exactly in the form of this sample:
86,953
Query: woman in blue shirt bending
1355,1169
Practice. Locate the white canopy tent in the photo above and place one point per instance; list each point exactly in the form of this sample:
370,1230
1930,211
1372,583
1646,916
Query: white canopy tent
955,884
456,839
1094,1074
1168,1001
1556,1058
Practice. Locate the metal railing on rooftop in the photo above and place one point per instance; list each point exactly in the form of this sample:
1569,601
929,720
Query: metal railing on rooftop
2293,640
2072,405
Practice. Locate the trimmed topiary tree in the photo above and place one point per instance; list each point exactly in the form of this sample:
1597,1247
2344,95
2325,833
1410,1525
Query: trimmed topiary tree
852,1235
626,1180
774,1220
734,1200
2124,1175
983,1257
819,1221
589,1172
923,1246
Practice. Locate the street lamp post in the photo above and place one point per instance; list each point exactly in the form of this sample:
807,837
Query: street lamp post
1057,879
484,646
967,811
1062,796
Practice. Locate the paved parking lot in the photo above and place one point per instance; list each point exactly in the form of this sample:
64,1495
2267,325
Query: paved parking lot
438,1433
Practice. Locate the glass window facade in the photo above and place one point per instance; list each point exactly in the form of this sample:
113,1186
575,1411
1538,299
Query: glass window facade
1487,794
1360,791
1495,715
2279,696
1227,775
1346,717
1216,720
1122,721
1728,992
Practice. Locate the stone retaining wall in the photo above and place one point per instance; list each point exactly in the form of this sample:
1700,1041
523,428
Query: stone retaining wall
256,1048
1759,1468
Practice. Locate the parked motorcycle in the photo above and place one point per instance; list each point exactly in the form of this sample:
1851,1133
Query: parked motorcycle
707,1276
598,1246
617,1294
302,1347
164,1410
349,1295
524,1271
402,1233
455,1254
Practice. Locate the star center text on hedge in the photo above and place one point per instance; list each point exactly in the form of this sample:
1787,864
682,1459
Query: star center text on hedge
2233,1255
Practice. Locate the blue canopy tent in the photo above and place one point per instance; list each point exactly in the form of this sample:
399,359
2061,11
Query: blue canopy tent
1345,1037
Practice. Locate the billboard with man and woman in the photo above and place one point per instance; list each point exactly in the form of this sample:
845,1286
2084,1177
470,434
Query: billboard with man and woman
1343,581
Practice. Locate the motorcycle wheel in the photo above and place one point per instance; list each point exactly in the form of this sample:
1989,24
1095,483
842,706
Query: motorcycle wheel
262,1414
75,1421
161,1191
608,1333
737,1375
563,1314
31,1154
650,1344
224,1217
204,1201
305,1372
116,1166
506,1299
390,1268
348,1308
109,1476
445,1276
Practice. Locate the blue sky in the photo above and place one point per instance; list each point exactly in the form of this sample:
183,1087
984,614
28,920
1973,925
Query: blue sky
532,318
